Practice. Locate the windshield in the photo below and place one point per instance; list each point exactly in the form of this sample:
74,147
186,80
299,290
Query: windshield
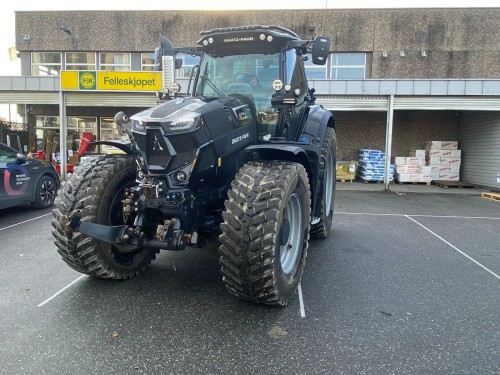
240,74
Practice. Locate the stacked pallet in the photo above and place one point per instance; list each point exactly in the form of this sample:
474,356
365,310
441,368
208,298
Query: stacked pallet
444,159
371,166
412,168
346,170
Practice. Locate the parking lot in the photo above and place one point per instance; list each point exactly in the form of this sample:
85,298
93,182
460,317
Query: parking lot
407,283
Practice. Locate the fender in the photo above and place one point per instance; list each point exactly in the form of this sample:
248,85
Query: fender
126,147
317,121
307,155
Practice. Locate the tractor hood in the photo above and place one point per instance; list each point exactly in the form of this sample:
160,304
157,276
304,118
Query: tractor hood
186,114
169,135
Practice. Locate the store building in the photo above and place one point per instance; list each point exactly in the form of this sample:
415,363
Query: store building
395,77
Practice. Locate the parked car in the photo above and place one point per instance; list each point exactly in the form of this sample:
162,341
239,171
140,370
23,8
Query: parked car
26,180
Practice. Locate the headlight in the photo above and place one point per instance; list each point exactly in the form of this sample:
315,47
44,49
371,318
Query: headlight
138,126
182,121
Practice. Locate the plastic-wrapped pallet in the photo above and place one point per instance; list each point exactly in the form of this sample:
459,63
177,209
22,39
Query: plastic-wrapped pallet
346,170
444,158
412,168
371,166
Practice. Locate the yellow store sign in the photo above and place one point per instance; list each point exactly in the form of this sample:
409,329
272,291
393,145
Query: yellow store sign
92,80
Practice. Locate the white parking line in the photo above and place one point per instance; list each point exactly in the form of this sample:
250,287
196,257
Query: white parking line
417,215
301,302
25,221
59,292
455,248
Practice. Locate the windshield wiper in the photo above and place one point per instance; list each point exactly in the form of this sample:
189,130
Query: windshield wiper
212,85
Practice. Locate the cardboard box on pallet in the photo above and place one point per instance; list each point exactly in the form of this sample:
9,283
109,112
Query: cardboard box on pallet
408,168
413,177
441,145
417,154
415,161
448,177
445,161
443,153
405,160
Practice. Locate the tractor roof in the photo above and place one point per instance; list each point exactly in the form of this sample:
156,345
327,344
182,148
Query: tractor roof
246,40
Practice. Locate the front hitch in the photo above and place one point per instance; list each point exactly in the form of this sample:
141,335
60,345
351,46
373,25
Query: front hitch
169,236
111,234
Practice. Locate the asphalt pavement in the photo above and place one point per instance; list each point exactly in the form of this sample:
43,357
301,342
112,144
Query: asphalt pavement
407,283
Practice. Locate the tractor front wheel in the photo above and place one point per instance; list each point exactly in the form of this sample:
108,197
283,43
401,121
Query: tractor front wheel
96,189
265,233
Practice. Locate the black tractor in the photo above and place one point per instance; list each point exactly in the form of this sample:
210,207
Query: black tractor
245,158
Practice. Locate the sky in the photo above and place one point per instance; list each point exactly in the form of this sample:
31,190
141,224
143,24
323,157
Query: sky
8,7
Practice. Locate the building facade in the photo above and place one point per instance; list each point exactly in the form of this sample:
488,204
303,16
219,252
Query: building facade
433,72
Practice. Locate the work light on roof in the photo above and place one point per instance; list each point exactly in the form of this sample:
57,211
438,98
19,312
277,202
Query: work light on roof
277,84
262,36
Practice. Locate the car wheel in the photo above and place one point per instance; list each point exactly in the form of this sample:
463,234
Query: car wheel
45,192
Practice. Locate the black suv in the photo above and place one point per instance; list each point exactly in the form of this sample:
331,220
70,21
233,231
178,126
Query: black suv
26,180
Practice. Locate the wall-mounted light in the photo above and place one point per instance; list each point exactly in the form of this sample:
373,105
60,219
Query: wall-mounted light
385,54
402,53
26,37
423,53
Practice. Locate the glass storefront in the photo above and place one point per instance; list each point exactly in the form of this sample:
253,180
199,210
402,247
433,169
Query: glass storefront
47,133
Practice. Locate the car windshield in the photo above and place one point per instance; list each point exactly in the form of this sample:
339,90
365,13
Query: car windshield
251,74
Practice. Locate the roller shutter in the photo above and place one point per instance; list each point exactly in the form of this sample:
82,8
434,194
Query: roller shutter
480,143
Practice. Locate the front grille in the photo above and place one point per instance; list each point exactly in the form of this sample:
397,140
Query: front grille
166,154
157,150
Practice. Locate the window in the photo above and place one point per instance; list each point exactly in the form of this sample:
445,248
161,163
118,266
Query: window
348,65
45,63
314,71
188,62
80,61
148,61
114,61
7,155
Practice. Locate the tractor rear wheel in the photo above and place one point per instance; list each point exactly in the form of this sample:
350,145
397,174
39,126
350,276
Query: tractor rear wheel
265,233
96,189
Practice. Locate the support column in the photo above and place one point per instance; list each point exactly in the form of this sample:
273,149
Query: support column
63,133
388,142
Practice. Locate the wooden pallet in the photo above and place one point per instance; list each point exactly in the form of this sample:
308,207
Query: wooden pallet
491,196
412,183
344,179
452,184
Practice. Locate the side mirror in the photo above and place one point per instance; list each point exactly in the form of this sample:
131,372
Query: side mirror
320,50
178,63
20,158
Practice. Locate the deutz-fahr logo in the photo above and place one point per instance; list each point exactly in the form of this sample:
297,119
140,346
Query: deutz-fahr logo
87,80
237,40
